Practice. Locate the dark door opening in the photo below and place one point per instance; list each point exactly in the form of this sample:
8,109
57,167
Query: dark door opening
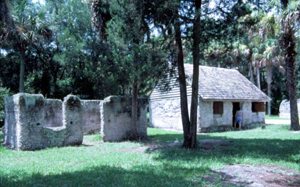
236,107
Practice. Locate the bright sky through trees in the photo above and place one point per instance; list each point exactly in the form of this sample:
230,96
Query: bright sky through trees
42,2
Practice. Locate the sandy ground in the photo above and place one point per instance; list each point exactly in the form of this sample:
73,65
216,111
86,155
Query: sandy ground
277,122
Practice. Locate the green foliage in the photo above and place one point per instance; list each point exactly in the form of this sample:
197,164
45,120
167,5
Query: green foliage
139,58
4,92
65,55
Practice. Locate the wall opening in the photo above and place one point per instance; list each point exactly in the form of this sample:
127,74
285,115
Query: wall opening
235,107
258,107
218,108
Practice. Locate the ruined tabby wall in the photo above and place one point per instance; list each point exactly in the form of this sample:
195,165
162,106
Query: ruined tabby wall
116,118
91,116
32,122
284,109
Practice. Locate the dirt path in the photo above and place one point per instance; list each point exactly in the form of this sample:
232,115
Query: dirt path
254,176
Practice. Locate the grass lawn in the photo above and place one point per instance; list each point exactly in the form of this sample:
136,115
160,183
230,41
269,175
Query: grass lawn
136,164
275,117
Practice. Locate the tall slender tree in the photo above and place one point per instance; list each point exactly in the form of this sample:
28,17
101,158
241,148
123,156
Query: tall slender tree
192,143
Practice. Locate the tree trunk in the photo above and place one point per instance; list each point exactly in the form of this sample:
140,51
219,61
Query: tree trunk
182,83
289,43
195,84
134,111
269,72
4,15
250,66
251,73
22,70
292,93
269,95
258,77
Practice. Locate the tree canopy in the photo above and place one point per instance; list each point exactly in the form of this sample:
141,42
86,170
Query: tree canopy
97,48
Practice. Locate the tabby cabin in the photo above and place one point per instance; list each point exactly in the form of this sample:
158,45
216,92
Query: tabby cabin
221,92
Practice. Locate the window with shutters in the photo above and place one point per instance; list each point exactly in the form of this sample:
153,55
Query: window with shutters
218,107
258,107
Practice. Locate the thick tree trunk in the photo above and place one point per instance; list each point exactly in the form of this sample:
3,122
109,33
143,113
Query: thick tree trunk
195,84
134,111
291,79
22,70
182,84
289,45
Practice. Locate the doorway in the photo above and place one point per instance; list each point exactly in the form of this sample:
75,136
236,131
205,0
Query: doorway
236,107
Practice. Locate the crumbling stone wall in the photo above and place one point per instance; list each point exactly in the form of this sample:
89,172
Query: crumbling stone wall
91,116
72,120
53,115
116,118
284,109
28,124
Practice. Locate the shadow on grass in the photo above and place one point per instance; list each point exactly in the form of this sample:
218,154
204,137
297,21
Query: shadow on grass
233,149
106,176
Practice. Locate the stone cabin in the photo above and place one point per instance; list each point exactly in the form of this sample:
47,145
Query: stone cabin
221,92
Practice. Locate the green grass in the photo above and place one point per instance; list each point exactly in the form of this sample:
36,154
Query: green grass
275,117
121,164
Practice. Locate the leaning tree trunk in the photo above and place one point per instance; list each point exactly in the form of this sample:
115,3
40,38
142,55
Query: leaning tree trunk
22,69
182,84
289,45
195,84
134,111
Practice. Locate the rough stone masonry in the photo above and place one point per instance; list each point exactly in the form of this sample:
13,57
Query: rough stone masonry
91,116
284,109
28,125
33,122
116,118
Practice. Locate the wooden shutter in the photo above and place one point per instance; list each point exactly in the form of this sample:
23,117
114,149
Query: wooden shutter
258,107
218,107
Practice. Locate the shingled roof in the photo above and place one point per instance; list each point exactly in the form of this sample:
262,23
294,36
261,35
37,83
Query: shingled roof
216,84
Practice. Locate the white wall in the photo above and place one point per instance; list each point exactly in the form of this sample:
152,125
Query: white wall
208,119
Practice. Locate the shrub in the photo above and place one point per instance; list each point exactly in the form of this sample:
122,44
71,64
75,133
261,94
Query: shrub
4,92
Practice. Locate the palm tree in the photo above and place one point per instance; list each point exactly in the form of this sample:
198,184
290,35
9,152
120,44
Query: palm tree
289,14
272,59
267,32
257,64
22,30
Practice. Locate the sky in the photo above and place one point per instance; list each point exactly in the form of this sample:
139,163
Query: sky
42,2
